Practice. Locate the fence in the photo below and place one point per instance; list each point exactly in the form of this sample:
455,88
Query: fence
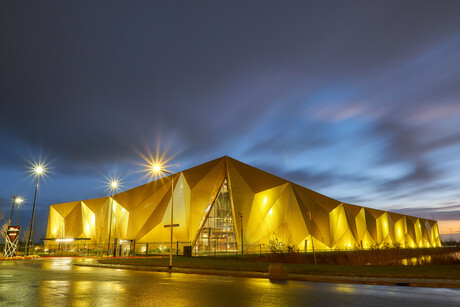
121,247
131,248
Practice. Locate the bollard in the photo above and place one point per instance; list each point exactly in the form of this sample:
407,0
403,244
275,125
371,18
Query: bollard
277,271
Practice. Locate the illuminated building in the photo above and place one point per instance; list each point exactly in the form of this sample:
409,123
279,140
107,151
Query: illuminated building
212,200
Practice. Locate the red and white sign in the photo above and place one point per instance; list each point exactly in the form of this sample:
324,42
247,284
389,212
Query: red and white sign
13,232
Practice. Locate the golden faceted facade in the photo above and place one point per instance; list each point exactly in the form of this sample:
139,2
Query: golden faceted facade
214,200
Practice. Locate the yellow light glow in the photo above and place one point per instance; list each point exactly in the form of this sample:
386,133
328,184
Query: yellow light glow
18,200
38,168
155,166
113,184
270,212
64,240
265,200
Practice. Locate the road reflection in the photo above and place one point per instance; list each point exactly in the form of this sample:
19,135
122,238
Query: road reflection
57,282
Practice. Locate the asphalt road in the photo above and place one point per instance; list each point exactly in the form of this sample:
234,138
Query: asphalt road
56,282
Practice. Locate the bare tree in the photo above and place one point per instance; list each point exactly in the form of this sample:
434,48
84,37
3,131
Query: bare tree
117,221
3,231
100,233
25,235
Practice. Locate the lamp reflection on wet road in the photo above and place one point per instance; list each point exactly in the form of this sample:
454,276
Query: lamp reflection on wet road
56,282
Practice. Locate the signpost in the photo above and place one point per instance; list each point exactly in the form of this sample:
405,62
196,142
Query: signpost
170,247
12,240
169,225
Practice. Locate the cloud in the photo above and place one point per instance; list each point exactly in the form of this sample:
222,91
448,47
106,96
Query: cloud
433,213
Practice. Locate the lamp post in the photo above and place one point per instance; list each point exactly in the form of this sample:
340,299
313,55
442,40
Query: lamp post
156,168
17,200
113,185
38,170
311,237
241,217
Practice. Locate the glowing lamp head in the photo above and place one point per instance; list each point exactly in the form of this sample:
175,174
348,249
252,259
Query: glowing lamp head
114,184
18,200
39,170
156,168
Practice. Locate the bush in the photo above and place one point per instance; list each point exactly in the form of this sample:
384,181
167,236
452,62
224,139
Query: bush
373,256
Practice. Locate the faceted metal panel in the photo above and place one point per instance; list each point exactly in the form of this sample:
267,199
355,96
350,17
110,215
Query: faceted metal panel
340,231
73,222
146,233
242,197
94,204
204,182
352,211
316,217
140,218
260,223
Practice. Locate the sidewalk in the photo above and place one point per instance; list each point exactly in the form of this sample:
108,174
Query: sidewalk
409,282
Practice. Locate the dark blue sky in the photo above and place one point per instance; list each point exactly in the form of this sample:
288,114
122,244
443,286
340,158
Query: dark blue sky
358,100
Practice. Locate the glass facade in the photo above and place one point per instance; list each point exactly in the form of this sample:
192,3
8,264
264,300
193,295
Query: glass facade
218,232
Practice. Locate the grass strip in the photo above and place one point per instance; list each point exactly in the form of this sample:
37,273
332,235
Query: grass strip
393,271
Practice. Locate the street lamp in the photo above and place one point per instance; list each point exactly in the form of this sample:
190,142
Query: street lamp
241,216
38,170
17,200
157,169
114,184
155,166
311,237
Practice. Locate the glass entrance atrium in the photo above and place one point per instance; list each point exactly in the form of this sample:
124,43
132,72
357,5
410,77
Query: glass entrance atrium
218,233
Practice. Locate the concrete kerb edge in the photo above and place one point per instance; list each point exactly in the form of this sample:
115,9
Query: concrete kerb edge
412,282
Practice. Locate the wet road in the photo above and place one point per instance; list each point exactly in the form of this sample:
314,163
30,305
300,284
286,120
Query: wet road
56,282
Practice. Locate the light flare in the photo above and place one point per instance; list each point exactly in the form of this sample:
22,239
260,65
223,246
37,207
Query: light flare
40,168
18,200
113,184
155,166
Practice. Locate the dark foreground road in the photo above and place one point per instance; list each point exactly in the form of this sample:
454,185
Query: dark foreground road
56,282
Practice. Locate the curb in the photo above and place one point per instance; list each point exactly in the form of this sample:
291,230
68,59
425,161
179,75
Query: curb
384,281
407,282
178,270
20,257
